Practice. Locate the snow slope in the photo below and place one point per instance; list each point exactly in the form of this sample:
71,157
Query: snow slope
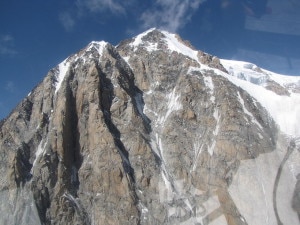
284,109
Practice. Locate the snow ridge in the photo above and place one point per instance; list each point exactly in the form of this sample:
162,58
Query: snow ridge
171,40
138,39
63,68
175,45
98,45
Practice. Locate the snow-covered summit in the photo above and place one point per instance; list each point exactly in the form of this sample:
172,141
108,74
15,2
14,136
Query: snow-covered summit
170,41
98,45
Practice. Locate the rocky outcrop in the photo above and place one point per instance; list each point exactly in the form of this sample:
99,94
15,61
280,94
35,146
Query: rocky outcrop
141,133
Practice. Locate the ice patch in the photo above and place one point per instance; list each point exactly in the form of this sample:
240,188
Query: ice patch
245,71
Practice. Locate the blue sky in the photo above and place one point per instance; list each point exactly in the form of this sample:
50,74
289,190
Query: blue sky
36,35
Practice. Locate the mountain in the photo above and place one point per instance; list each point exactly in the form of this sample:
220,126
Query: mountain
153,131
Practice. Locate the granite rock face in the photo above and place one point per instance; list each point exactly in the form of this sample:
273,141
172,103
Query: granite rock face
144,133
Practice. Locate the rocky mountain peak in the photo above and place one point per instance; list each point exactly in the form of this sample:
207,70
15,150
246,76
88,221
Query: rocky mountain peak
150,131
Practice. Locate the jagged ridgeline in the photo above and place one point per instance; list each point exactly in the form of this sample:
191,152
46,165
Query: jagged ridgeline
152,131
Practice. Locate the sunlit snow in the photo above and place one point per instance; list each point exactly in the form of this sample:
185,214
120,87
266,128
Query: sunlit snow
246,111
285,110
175,45
173,105
39,152
138,39
209,83
256,75
98,45
63,68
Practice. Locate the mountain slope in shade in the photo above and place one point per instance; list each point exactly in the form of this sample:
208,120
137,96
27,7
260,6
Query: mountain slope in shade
152,131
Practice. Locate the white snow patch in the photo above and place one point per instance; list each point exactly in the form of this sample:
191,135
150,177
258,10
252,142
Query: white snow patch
144,210
217,118
175,45
138,39
63,68
211,148
192,69
39,152
197,152
152,47
98,45
172,105
126,59
203,69
165,187
247,111
209,83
